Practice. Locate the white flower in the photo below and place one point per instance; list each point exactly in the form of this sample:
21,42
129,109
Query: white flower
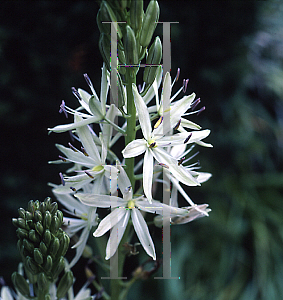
124,208
89,163
85,218
154,142
96,109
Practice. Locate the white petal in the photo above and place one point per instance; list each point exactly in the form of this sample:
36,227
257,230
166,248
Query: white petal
189,124
104,88
142,113
67,127
110,221
148,174
142,231
135,148
124,182
153,90
116,235
99,200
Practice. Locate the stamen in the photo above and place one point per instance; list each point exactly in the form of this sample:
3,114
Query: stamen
202,109
187,139
88,81
88,174
62,179
76,94
162,165
63,158
158,122
185,84
195,104
84,152
73,189
152,145
63,109
72,147
177,125
176,77
181,160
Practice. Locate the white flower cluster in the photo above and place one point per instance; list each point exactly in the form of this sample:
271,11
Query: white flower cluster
97,170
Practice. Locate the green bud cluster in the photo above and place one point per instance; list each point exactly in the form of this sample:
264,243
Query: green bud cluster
135,29
42,245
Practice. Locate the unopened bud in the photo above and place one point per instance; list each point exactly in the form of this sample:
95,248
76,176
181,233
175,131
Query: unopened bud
38,257
20,284
149,23
130,45
64,284
153,58
136,14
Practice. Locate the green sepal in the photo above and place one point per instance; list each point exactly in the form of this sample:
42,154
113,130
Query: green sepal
130,46
31,277
47,219
37,255
149,23
153,58
20,284
136,14
31,265
33,236
64,284
104,47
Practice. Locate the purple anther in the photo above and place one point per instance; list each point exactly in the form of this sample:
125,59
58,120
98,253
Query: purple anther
88,81
63,158
84,152
177,75
63,109
195,104
140,88
76,93
202,109
187,139
62,179
88,174
185,84
181,160
72,147
152,145
73,189
177,125
163,165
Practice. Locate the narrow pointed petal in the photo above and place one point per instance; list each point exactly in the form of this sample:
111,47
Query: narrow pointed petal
166,93
142,113
148,174
110,221
142,232
104,88
97,200
116,235
135,148
124,182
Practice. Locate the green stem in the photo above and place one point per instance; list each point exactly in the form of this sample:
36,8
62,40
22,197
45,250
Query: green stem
131,124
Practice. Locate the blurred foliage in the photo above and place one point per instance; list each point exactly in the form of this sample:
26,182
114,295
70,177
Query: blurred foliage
232,53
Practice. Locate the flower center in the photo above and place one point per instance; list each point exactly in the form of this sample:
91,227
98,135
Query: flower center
97,168
131,204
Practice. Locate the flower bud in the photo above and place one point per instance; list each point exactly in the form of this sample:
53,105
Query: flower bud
58,267
54,208
64,284
22,233
130,45
47,237
20,284
149,23
136,14
38,257
43,248
22,212
64,245
59,215
54,246
42,283
47,220
38,216
106,14
33,236
104,47
55,224
28,246
39,228
31,265
153,58
49,264
31,206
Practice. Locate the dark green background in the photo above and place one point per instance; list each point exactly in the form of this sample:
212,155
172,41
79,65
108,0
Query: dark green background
232,53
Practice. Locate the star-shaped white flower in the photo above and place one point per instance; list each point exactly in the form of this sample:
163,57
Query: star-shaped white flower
153,145
124,208
85,218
